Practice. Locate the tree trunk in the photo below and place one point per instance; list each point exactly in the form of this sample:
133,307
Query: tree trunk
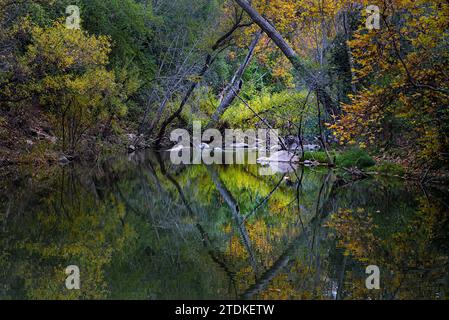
184,101
347,29
207,63
234,87
308,77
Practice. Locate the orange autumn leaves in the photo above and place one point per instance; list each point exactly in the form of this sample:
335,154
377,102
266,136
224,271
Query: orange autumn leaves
401,72
303,24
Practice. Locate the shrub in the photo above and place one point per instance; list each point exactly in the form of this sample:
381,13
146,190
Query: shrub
389,168
319,156
68,76
355,158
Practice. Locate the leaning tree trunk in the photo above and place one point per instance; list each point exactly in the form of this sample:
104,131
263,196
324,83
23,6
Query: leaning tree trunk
207,64
184,101
308,77
230,92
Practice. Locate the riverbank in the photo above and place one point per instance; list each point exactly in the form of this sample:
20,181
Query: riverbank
28,140
36,150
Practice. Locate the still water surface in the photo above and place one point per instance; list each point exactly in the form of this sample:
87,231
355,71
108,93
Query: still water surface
141,228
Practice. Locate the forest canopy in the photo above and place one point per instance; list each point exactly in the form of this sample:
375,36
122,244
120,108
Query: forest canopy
93,91
142,68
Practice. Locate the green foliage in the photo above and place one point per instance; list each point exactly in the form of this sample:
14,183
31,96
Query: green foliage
276,106
355,158
129,25
131,54
346,158
203,104
319,156
403,70
340,68
388,168
66,71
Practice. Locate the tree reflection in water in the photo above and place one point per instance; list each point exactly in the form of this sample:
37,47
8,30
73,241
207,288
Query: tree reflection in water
141,228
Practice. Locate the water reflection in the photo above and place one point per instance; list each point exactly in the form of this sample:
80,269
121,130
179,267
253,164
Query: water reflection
141,228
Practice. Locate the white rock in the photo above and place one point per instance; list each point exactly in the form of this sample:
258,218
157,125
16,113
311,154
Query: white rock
131,149
309,163
280,156
263,161
176,148
131,137
279,167
63,160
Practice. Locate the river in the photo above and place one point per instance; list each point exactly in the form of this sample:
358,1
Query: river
139,227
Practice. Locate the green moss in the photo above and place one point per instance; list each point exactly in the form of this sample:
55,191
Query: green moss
349,158
319,156
355,158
